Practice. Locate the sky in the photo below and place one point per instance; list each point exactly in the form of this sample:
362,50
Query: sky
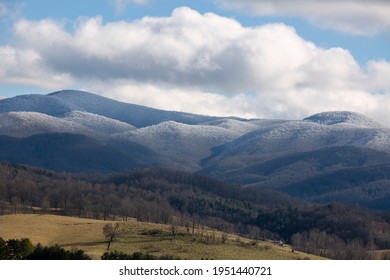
254,59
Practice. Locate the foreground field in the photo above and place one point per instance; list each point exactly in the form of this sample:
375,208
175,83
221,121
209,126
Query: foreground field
156,239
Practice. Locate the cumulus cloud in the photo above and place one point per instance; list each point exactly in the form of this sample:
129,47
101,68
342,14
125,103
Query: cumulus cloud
26,67
202,63
359,16
178,99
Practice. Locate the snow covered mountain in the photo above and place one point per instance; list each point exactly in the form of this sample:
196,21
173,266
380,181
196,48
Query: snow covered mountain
98,123
183,140
77,131
299,136
279,140
24,124
344,118
182,144
62,102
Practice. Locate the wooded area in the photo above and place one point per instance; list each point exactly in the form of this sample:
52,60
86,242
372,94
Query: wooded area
175,197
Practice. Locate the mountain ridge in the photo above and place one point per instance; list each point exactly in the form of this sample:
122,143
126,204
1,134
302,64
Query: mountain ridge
253,152
344,117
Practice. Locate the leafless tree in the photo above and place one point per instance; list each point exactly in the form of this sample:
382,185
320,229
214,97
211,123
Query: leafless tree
111,233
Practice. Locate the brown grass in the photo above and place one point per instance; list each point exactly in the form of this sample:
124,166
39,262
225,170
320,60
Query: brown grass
68,232
156,239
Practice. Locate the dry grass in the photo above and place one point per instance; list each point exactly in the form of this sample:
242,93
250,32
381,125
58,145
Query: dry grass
188,246
87,234
68,232
381,254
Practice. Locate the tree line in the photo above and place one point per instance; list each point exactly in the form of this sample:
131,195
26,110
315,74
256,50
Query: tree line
23,249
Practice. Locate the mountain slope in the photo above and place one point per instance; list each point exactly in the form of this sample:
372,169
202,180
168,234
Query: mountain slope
345,118
44,104
97,123
289,137
182,144
368,186
297,136
139,116
345,174
62,102
71,153
24,124
288,168
104,135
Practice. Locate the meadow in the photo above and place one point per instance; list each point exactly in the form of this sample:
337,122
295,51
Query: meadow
74,233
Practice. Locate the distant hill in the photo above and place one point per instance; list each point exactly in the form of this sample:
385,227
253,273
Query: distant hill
368,186
73,153
345,174
344,118
62,102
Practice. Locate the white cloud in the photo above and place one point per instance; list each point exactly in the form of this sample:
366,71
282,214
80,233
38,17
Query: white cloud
177,99
377,76
121,5
354,16
26,67
199,63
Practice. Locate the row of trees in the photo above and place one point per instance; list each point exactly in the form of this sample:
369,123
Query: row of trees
145,195
331,246
23,249
347,222
135,256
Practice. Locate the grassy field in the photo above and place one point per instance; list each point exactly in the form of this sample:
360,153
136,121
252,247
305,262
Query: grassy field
156,239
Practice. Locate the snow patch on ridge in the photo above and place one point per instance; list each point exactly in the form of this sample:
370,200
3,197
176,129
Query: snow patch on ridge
98,123
345,118
181,143
24,124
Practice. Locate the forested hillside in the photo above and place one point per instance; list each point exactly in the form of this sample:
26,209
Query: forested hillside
169,196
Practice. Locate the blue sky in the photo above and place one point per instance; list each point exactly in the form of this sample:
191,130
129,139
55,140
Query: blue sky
250,58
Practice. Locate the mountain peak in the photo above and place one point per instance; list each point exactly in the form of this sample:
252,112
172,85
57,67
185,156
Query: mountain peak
70,92
344,117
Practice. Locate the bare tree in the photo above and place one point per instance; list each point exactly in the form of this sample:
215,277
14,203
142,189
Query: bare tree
174,228
111,233
224,237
